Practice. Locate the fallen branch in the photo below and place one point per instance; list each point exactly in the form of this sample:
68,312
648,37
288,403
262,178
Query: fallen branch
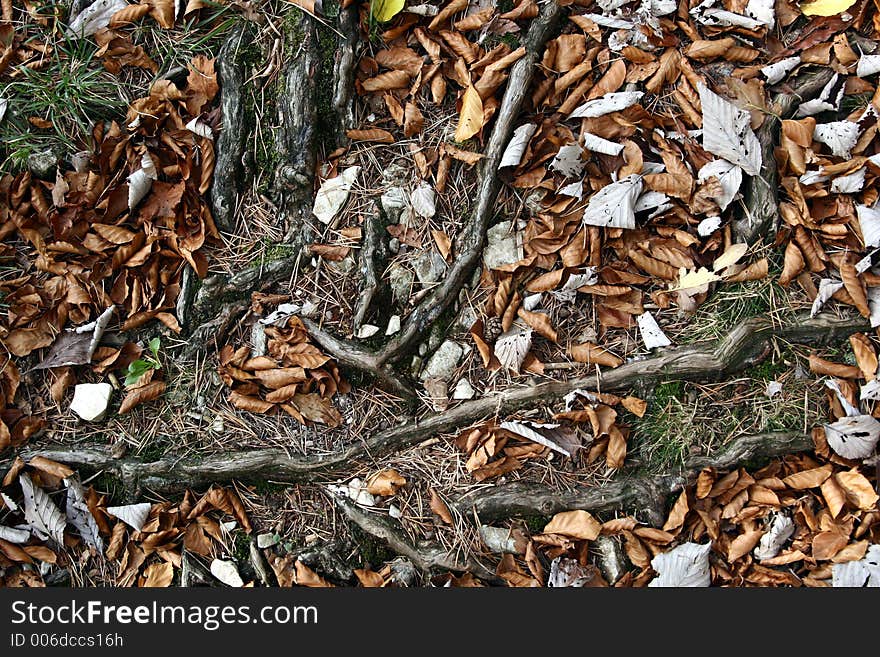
744,346
639,494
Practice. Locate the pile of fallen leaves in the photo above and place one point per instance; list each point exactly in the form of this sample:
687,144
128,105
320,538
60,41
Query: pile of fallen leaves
494,449
291,374
51,521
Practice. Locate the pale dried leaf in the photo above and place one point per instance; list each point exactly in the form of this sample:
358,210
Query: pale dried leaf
40,512
684,566
133,515
727,132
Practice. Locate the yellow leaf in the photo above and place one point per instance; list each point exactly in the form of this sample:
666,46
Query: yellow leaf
385,10
730,256
688,280
471,120
826,7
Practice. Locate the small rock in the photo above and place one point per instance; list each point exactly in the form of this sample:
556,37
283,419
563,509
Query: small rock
344,266
422,201
394,245
393,325
463,390
217,425
91,400
400,279
42,164
394,512
429,267
118,449
395,204
367,330
611,558
502,246
258,340
403,573
443,362
226,572
267,540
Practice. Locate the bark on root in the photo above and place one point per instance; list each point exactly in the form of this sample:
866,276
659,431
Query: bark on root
743,347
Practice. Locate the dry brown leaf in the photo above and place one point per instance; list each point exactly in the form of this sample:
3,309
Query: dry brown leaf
141,395
385,483
811,478
371,134
439,507
678,513
866,357
577,524
821,366
587,352
471,118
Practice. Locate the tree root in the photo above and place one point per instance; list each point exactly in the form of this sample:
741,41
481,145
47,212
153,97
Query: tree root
743,347
640,494
473,236
761,205
427,557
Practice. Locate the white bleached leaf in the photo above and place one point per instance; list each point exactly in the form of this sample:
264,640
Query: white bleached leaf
684,566
80,516
850,183
14,535
652,335
597,144
869,222
727,133
813,177
613,205
512,346
871,390
226,572
777,71
575,189
762,11
565,572
568,161
610,102
333,194
729,176
140,182
9,502
864,264
3,105
780,530
848,408
517,145
708,226
40,512
200,128
423,200
568,291
532,301
827,288
696,279
862,573
651,200
773,389
874,306
547,434
853,437
133,515
94,17
608,21
732,254
839,136
868,65
706,14
827,101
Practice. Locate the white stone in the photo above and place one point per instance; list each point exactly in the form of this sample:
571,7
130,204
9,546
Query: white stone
429,267
367,330
393,325
502,246
267,540
91,400
463,390
443,362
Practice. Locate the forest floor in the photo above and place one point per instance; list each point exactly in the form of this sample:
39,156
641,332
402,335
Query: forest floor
477,293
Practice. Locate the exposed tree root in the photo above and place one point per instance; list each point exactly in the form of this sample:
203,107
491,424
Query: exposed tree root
761,205
427,557
744,346
639,494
